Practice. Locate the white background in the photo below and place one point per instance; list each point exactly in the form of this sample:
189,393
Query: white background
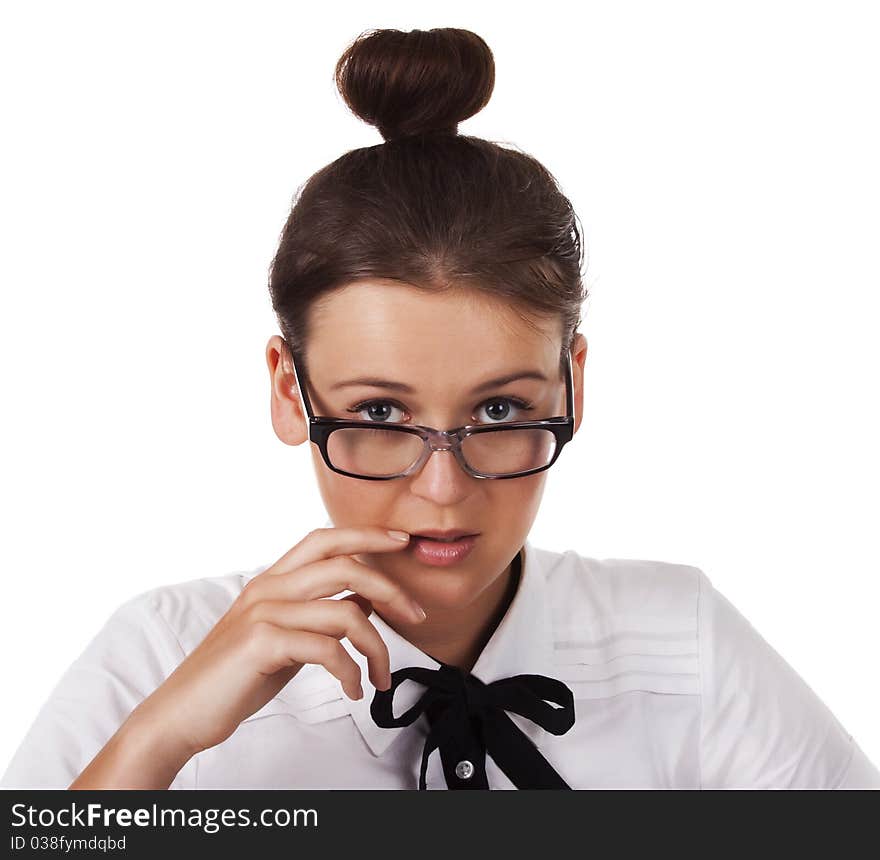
722,158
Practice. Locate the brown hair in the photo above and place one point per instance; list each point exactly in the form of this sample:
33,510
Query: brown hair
429,207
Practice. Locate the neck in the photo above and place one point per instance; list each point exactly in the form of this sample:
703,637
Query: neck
458,637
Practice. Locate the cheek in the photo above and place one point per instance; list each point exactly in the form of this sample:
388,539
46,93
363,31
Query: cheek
349,500
516,499
511,511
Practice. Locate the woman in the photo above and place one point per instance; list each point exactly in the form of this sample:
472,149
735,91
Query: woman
432,281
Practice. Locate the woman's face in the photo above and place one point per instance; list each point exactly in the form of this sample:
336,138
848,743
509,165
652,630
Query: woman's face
443,346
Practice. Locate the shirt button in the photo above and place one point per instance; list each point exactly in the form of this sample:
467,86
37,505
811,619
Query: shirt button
464,770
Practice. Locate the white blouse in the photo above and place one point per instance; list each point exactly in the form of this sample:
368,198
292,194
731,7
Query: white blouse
673,688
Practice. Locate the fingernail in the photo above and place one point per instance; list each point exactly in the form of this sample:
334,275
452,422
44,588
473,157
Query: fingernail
422,615
398,535
360,692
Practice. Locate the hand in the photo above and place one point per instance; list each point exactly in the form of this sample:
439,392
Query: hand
278,624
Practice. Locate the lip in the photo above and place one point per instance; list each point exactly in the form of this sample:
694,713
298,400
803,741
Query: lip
437,554
449,533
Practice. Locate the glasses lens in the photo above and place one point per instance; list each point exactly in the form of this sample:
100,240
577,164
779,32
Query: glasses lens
505,452
379,453
376,453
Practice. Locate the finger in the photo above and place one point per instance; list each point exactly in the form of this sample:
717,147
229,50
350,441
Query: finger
327,577
365,605
277,648
329,542
336,618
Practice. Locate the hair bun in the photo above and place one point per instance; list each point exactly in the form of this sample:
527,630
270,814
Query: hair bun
409,83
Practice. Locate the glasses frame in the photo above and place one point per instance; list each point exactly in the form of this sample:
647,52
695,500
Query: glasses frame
320,428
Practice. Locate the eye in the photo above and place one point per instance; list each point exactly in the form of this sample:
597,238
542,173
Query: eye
498,409
377,410
503,413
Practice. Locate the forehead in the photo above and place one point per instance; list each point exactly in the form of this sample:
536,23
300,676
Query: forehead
385,326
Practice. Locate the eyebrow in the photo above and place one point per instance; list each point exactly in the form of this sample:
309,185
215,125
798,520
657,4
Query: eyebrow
408,389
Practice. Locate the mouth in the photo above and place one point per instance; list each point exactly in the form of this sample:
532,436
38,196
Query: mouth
443,537
442,551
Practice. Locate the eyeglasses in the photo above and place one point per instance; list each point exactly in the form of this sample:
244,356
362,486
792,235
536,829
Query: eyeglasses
374,451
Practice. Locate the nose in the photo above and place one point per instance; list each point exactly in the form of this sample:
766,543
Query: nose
448,462
442,478
440,446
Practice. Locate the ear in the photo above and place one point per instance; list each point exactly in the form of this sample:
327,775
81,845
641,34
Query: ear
288,419
578,359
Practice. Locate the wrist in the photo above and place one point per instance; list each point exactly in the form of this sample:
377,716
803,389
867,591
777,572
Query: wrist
148,736
141,755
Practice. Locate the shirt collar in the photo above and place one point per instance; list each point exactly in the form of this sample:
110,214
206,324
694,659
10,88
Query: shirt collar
521,644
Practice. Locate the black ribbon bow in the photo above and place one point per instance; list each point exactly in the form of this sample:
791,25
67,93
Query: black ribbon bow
467,719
